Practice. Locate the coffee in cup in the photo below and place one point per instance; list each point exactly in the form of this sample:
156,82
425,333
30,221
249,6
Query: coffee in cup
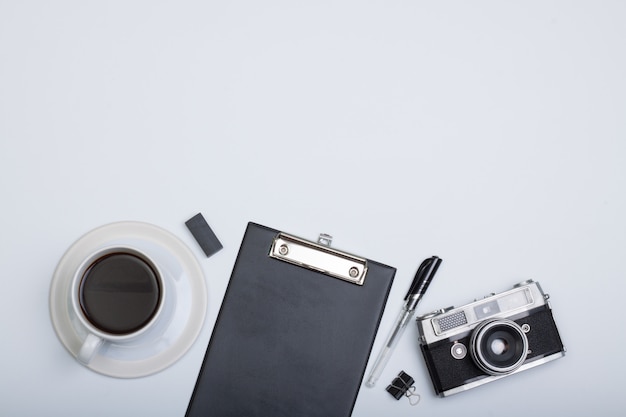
117,294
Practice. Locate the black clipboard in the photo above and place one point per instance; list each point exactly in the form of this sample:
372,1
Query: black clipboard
294,332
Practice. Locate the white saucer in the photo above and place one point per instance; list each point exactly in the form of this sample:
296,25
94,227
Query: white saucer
160,347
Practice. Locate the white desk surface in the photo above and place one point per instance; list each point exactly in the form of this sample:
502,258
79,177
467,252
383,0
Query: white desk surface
491,134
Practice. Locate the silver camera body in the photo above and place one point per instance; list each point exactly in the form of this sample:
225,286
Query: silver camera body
488,339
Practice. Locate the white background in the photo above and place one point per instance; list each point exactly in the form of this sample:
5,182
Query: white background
492,134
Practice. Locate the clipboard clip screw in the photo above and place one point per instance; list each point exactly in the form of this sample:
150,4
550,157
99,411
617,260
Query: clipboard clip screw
354,272
283,250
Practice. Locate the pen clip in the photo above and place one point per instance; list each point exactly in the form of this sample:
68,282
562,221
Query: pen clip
423,277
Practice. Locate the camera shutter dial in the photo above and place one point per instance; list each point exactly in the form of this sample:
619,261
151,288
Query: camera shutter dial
458,350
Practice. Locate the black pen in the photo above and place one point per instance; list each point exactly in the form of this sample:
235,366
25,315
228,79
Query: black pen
423,277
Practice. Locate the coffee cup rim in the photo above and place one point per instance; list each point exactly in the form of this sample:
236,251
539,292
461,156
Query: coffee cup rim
79,274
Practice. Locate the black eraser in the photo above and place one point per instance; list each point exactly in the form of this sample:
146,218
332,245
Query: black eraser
204,235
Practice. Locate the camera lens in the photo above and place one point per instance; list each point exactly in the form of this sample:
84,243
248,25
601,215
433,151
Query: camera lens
498,346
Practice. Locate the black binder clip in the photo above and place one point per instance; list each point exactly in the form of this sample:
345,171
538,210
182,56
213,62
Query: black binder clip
402,385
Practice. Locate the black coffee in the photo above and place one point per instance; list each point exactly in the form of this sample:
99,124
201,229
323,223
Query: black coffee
119,293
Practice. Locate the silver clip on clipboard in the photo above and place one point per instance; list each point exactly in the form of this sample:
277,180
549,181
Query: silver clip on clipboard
319,257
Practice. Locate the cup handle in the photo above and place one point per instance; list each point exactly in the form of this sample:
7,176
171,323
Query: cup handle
90,347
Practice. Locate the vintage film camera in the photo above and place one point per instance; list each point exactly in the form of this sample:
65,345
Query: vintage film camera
486,340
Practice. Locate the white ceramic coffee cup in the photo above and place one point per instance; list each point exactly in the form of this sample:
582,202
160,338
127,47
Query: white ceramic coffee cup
97,337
